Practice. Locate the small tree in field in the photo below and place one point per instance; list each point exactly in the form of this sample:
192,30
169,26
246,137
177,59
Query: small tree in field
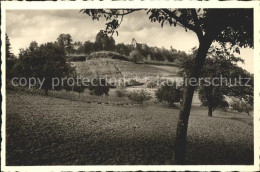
140,97
99,87
211,97
169,93
242,106
78,87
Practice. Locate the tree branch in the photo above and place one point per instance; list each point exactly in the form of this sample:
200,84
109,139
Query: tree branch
122,14
196,24
178,19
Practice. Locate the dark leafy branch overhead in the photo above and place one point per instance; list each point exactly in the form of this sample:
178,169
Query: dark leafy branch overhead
113,16
233,26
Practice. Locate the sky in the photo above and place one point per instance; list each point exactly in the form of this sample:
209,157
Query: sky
24,26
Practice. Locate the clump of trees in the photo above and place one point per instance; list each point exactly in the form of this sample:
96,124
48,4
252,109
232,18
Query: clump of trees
77,51
44,62
169,93
139,96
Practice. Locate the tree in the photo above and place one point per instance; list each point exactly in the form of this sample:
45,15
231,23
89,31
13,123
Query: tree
78,47
78,87
33,46
7,47
233,26
139,96
46,62
99,87
169,93
136,57
211,97
88,47
65,41
10,58
104,42
241,106
219,64
122,49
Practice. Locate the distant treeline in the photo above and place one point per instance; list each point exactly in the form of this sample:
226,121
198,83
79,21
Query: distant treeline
139,53
78,51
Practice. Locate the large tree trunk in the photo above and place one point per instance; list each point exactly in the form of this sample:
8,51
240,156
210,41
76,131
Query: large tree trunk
210,110
208,92
182,127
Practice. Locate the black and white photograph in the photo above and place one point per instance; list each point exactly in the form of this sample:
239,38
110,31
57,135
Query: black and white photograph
124,86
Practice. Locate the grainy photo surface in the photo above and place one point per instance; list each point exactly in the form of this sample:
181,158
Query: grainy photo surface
131,86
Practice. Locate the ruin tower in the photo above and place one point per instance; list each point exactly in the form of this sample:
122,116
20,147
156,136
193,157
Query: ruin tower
134,43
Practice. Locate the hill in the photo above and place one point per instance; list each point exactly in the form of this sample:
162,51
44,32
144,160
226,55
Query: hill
114,68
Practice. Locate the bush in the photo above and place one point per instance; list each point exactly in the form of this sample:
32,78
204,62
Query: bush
107,54
78,87
139,96
76,58
120,93
169,93
151,84
133,82
99,87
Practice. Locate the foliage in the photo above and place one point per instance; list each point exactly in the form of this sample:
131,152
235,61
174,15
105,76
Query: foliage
151,84
10,59
77,51
133,82
139,96
107,54
104,42
7,47
212,97
120,93
65,41
169,93
77,58
123,49
78,87
44,62
99,87
241,106
220,63
136,57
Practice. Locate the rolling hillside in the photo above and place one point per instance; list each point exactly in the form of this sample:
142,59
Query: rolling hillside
113,68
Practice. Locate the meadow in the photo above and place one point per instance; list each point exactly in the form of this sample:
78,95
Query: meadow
44,130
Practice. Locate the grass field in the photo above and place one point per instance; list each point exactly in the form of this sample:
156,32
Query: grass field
49,131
